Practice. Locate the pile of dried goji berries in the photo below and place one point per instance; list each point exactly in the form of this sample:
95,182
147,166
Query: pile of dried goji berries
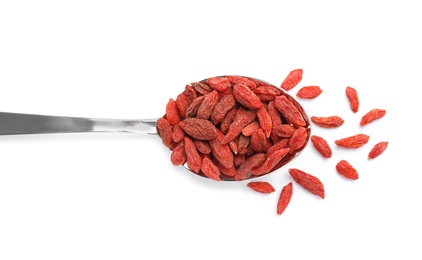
233,128
238,128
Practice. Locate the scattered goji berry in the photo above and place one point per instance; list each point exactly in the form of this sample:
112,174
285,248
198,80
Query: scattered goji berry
308,182
377,150
285,197
327,122
354,141
321,146
261,186
372,115
309,92
352,95
344,168
292,79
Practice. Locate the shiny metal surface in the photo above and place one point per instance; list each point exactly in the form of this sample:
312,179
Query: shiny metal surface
15,124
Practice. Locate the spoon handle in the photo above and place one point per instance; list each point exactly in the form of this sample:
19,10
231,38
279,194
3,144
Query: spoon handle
15,123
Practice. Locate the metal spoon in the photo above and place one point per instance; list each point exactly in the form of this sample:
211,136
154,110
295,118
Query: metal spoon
17,124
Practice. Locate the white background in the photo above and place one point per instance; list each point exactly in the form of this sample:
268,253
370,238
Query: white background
117,196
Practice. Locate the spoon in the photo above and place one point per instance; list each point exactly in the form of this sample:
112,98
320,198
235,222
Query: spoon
22,124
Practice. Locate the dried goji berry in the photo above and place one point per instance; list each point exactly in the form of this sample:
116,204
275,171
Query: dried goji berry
243,144
239,159
309,92
265,122
178,154
224,105
209,169
327,122
228,172
309,182
289,111
261,186
245,170
283,143
221,151
190,94
165,131
270,162
227,121
202,88
258,141
298,139
372,115
245,96
205,110
193,158
243,117
274,115
344,168
354,141
193,108
352,95
292,79
249,129
234,80
202,146
200,129
267,90
377,150
284,130
321,146
182,104
219,83
233,147
172,112
178,134
285,197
